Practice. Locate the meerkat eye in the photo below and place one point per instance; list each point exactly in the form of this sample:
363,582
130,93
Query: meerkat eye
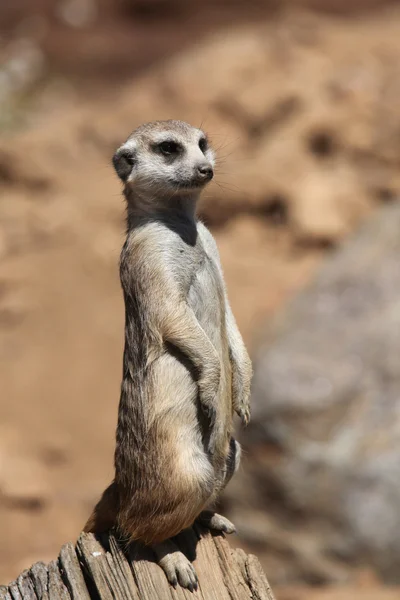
203,144
169,147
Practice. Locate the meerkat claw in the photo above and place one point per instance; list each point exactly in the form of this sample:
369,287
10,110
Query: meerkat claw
211,414
187,575
244,414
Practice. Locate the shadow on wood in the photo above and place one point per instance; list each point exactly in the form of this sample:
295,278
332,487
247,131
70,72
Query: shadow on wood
98,569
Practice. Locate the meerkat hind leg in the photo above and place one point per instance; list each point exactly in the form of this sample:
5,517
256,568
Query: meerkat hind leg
211,519
175,565
187,541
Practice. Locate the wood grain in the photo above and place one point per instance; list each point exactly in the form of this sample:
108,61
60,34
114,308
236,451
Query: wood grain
100,569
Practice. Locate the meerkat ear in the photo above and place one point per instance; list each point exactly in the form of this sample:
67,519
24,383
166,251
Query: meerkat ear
124,160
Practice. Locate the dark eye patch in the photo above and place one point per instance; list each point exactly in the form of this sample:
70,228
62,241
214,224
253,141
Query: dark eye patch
203,144
169,147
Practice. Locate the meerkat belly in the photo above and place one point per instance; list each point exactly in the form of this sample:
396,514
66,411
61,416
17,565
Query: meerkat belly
174,416
206,298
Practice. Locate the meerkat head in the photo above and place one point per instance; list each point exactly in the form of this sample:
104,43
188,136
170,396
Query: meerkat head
165,157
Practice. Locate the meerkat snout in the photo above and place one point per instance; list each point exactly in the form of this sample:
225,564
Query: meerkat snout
206,172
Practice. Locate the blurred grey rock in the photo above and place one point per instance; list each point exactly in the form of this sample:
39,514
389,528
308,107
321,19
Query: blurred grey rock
326,399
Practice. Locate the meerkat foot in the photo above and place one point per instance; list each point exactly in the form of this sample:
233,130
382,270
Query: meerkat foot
213,520
175,565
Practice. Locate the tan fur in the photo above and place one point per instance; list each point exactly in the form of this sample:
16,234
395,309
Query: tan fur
185,367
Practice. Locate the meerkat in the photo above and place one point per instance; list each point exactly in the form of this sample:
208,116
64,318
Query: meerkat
185,367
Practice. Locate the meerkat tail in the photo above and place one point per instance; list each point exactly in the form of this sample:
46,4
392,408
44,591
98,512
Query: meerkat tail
104,513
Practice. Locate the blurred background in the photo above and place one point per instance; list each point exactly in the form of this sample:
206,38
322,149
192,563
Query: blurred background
301,100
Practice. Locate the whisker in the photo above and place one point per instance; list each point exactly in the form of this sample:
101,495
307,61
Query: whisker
226,188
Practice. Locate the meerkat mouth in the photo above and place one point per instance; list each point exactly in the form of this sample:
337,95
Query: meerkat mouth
193,184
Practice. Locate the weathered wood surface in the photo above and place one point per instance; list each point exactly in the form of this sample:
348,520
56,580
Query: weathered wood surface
100,570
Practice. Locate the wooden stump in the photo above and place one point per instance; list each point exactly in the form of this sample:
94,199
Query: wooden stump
96,569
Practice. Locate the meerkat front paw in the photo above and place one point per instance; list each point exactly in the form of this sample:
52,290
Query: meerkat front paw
213,520
208,390
210,414
241,397
243,412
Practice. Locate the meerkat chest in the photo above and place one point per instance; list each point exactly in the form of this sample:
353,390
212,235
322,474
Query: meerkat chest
198,276
206,296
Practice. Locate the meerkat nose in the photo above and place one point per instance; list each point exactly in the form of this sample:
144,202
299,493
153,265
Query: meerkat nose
205,172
